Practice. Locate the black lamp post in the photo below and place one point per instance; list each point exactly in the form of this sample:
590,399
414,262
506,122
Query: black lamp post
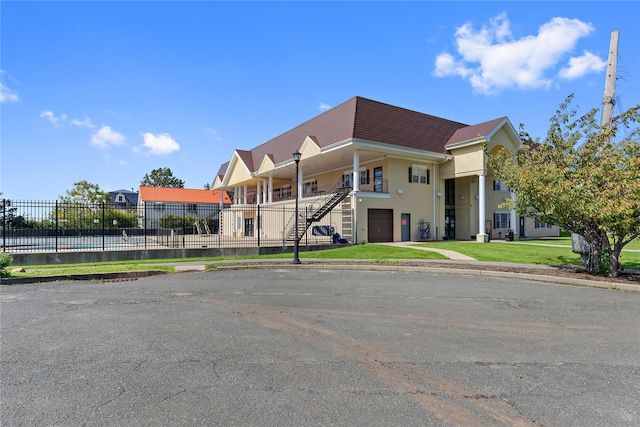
296,260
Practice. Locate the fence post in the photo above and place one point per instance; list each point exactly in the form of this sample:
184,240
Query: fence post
258,225
144,223
306,217
56,226
103,225
4,225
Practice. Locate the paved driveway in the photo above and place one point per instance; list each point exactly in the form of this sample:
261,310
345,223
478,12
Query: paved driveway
305,348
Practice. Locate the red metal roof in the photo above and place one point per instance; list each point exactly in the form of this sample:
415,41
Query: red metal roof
181,195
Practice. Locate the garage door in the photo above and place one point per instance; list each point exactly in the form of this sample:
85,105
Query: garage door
380,225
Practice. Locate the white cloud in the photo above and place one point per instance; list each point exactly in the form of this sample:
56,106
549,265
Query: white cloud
105,137
52,117
6,94
581,65
324,107
83,123
214,133
492,59
161,144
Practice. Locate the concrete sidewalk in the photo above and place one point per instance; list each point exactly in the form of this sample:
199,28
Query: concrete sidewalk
453,255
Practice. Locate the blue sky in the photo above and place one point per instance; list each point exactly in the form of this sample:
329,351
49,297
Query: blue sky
108,91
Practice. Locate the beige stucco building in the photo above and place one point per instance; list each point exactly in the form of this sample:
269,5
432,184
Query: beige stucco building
394,174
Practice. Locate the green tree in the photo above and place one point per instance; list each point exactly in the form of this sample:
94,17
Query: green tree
162,177
81,206
84,191
172,221
583,177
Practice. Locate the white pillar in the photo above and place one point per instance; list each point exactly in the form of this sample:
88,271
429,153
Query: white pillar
235,195
482,236
270,189
300,184
264,191
258,193
244,195
356,171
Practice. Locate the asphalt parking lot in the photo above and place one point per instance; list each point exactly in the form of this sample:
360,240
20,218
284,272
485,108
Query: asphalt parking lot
318,347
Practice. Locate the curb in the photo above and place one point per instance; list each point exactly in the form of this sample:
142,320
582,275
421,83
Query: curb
323,265
92,276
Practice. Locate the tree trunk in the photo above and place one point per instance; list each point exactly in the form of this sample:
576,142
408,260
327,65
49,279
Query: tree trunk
615,268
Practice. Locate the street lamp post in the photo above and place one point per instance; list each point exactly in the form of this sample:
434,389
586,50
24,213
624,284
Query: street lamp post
296,243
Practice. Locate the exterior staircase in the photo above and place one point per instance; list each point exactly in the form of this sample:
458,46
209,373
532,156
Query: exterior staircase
333,199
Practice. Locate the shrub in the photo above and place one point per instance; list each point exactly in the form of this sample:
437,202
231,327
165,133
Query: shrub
5,261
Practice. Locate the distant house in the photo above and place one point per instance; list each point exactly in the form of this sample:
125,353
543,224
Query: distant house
123,199
160,207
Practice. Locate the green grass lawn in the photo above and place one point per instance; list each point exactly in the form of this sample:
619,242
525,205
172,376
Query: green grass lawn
526,251
555,251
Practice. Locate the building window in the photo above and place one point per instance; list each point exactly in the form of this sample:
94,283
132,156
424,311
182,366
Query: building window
347,180
419,174
277,193
539,224
310,187
501,220
120,198
499,186
192,208
377,180
449,192
158,206
364,177
286,191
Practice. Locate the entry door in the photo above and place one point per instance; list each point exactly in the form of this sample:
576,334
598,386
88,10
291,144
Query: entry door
450,223
248,227
380,225
521,226
405,227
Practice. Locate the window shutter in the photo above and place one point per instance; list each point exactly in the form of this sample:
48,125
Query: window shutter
428,176
410,175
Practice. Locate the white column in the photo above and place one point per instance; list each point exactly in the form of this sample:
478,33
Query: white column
356,171
259,193
300,184
244,195
270,189
482,236
235,195
264,191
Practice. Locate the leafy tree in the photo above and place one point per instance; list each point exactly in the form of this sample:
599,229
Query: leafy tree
84,191
162,177
124,218
172,221
207,186
583,177
81,206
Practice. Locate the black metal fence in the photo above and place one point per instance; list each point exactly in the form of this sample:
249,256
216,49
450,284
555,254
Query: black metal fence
56,226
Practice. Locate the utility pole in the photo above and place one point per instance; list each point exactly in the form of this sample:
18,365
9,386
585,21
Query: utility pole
578,243
610,82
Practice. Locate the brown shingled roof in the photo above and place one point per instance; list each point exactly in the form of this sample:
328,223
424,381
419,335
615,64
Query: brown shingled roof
369,120
471,132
